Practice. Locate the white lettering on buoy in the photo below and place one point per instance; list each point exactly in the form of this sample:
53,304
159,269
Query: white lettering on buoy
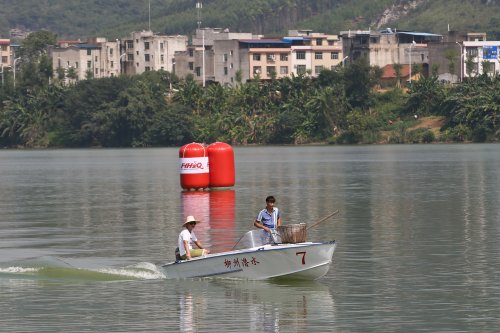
190,165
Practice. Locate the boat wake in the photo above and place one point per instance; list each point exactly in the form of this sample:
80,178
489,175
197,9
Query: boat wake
56,269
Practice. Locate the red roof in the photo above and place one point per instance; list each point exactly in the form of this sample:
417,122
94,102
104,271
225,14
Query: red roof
4,41
390,73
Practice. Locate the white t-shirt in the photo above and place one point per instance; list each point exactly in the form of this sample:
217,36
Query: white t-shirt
185,235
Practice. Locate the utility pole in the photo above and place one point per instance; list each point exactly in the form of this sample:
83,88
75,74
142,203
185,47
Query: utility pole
15,61
411,45
461,61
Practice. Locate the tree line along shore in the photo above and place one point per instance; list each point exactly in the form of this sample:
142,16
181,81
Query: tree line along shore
343,105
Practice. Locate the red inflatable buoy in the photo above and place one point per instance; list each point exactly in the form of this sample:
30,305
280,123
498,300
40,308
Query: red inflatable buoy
221,157
194,167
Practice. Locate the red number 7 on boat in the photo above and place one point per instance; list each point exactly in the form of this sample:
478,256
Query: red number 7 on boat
303,256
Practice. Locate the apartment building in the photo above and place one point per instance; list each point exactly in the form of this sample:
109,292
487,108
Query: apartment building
387,47
98,58
5,53
224,57
325,51
204,57
229,62
197,61
449,56
145,51
77,61
266,58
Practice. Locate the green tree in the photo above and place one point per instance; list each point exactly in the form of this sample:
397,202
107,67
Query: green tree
397,70
426,96
451,55
36,43
358,84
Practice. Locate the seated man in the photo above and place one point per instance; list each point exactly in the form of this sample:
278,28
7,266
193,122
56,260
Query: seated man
186,238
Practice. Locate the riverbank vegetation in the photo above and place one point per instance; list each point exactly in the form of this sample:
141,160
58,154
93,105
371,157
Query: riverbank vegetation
341,106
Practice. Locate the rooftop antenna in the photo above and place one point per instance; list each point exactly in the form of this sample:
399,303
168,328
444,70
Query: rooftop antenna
199,6
149,7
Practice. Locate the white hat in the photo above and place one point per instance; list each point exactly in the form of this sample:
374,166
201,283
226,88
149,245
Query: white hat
190,219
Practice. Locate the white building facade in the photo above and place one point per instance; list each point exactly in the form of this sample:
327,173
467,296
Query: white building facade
481,57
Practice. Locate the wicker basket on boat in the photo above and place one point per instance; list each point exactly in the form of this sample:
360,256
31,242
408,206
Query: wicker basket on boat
292,233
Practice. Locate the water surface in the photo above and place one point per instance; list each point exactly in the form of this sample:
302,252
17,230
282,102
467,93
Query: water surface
82,233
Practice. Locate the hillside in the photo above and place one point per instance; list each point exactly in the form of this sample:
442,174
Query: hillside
117,18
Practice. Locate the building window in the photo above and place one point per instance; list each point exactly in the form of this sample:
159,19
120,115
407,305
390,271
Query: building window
130,44
161,46
284,70
224,57
89,52
331,43
162,58
111,51
257,70
318,55
231,53
256,56
76,64
191,65
198,71
301,69
284,56
318,69
96,59
319,41
270,58
146,57
472,52
191,52
130,57
225,70
231,65
301,55
89,64
111,64
4,47
147,68
270,70
334,55
96,71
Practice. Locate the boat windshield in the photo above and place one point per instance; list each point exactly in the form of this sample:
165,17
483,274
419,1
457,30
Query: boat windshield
252,238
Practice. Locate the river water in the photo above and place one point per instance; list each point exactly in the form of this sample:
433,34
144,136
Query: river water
82,233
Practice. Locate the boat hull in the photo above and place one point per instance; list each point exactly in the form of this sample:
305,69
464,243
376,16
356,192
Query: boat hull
307,261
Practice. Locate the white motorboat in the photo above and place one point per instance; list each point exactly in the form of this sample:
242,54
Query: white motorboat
258,261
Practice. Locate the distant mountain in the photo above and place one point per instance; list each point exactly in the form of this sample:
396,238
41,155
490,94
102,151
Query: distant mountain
117,18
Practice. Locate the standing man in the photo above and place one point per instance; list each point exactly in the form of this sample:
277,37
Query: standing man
269,218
